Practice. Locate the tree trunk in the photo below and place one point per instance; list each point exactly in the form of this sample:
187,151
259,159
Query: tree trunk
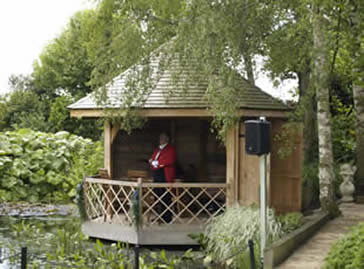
310,195
249,67
307,100
321,74
245,52
358,92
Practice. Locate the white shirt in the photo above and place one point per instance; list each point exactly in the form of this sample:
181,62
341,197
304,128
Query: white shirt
163,146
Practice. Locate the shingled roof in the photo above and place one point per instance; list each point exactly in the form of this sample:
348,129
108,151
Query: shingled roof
169,93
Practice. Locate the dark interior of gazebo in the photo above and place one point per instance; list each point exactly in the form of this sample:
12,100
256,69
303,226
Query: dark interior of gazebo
201,157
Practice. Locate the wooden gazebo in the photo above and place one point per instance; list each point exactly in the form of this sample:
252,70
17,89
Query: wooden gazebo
210,176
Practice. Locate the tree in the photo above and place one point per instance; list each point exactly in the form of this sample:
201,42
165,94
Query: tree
289,55
321,78
64,65
357,54
60,77
225,36
22,108
63,73
60,120
221,35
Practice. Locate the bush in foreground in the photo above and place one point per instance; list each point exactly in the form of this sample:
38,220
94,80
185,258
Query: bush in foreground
36,166
227,235
348,252
291,221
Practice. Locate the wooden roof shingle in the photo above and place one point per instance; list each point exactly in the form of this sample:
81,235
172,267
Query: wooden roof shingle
169,92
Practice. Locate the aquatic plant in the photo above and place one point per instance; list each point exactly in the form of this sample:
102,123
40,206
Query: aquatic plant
66,247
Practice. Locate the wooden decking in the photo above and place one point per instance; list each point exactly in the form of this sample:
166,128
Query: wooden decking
135,212
162,234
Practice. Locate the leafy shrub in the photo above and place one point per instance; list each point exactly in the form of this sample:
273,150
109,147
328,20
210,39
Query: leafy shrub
64,246
348,252
343,131
36,166
228,235
291,221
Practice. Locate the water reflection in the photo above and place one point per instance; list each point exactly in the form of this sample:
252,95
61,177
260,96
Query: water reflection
54,233
20,224
4,263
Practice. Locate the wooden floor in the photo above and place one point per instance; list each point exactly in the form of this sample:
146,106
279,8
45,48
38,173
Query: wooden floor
118,228
311,255
150,220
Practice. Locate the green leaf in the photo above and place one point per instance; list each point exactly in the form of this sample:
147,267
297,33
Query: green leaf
9,182
36,179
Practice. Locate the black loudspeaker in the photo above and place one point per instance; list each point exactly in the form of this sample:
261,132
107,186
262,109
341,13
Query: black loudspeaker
257,137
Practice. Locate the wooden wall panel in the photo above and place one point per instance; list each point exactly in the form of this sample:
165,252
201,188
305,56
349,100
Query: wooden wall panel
108,148
232,165
248,173
216,158
188,147
200,156
285,183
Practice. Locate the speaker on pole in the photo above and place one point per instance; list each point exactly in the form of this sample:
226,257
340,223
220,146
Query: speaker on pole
257,142
257,137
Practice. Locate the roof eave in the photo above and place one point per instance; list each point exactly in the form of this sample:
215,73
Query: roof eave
184,112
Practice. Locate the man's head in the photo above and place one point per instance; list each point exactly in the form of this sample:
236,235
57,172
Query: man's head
163,138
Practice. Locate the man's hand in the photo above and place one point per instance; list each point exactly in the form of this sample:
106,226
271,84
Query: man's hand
155,163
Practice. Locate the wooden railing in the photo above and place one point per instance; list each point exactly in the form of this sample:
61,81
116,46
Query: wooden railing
139,203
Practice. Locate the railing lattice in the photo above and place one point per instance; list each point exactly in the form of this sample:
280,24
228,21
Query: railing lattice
116,201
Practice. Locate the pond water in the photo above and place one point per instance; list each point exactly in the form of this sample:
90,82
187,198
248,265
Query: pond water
12,241
18,222
38,228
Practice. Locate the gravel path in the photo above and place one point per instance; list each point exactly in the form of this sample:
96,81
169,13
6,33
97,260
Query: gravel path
311,255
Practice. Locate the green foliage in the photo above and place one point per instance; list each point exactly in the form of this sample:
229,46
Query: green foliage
67,247
228,234
37,166
59,114
225,241
291,221
80,200
60,77
287,138
311,186
201,239
22,109
162,260
60,120
64,64
289,46
343,131
348,252
223,38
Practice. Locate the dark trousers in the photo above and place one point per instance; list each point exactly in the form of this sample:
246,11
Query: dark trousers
159,177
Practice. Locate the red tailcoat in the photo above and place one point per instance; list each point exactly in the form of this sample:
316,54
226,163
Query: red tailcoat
167,161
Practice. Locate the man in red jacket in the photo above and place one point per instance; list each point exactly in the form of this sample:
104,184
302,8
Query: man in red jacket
163,164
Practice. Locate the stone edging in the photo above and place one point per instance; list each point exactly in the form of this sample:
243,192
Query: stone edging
280,250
